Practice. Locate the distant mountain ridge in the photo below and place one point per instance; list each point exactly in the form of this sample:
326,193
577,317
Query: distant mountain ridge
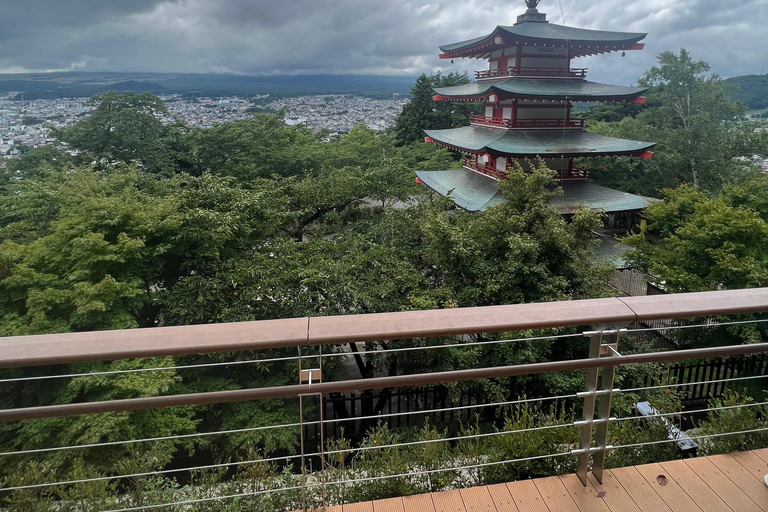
83,85
752,90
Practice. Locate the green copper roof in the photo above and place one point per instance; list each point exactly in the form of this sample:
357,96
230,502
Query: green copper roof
577,90
545,32
531,143
467,189
475,192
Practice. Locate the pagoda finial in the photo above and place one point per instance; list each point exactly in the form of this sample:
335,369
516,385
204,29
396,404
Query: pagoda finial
532,14
532,4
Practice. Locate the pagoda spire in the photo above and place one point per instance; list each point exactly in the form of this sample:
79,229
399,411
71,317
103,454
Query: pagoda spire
532,14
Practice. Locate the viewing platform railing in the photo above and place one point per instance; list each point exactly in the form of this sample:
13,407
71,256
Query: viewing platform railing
326,475
531,73
526,123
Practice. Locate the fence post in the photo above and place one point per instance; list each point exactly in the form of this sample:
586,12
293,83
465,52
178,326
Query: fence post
585,440
604,409
309,377
596,349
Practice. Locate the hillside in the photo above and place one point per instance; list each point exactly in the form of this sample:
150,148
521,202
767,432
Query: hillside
752,90
83,85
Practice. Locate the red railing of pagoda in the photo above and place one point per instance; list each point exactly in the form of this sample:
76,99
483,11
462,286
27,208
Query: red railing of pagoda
573,174
532,72
528,123
485,169
489,170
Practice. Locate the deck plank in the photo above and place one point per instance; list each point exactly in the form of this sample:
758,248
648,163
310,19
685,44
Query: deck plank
762,453
555,494
728,491
697,489
614,495
448,501
585,497
419,503
720,483
640,490
527,497
366,506
390,505
672,494
743,479
502,500
756,466
477,499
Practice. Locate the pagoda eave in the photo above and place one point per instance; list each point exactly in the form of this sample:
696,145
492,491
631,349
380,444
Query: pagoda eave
537,89
581,42
527,143
475,192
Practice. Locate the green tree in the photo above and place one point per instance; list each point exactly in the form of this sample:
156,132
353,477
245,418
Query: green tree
423,113
123,127
692,121
707,242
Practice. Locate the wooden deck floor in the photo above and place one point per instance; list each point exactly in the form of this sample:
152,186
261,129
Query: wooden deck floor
721,483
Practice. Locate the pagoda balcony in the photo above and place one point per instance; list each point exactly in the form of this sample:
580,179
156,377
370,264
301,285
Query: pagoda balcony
526,123
485,169
531,72
572,174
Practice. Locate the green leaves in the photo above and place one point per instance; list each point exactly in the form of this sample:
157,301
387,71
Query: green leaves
709,242
697,129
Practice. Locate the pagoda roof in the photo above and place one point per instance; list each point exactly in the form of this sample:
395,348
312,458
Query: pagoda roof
577,90
542,32
533,143
475,192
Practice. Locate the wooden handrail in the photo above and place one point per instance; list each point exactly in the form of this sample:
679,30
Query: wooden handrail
421,379
68,348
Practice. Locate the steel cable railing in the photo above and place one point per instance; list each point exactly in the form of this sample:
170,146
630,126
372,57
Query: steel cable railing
316,480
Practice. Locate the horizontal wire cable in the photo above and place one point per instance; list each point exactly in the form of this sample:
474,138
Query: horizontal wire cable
203,500
696,326
151,439
156,369
151,473
448,409
444,439
286,425
666,386
706,436
454,345
443,470
696,411
230,464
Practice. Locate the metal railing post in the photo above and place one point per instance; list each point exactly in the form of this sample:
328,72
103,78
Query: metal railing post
585,440
604,408
309,377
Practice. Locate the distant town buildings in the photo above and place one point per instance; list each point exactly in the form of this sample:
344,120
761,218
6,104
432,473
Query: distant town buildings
24,124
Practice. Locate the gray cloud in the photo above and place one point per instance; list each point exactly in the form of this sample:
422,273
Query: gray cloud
353,36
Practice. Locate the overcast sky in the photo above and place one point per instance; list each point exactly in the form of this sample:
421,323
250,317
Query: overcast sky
354,36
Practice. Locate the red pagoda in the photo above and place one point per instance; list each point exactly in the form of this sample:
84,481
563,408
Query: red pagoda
527,93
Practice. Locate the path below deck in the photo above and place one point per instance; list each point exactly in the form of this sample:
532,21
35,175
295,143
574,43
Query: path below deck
720,483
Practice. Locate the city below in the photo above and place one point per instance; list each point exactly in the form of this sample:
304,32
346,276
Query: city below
25,124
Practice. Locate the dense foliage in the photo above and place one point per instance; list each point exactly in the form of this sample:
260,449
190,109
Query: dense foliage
697,130
423,113
752,90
